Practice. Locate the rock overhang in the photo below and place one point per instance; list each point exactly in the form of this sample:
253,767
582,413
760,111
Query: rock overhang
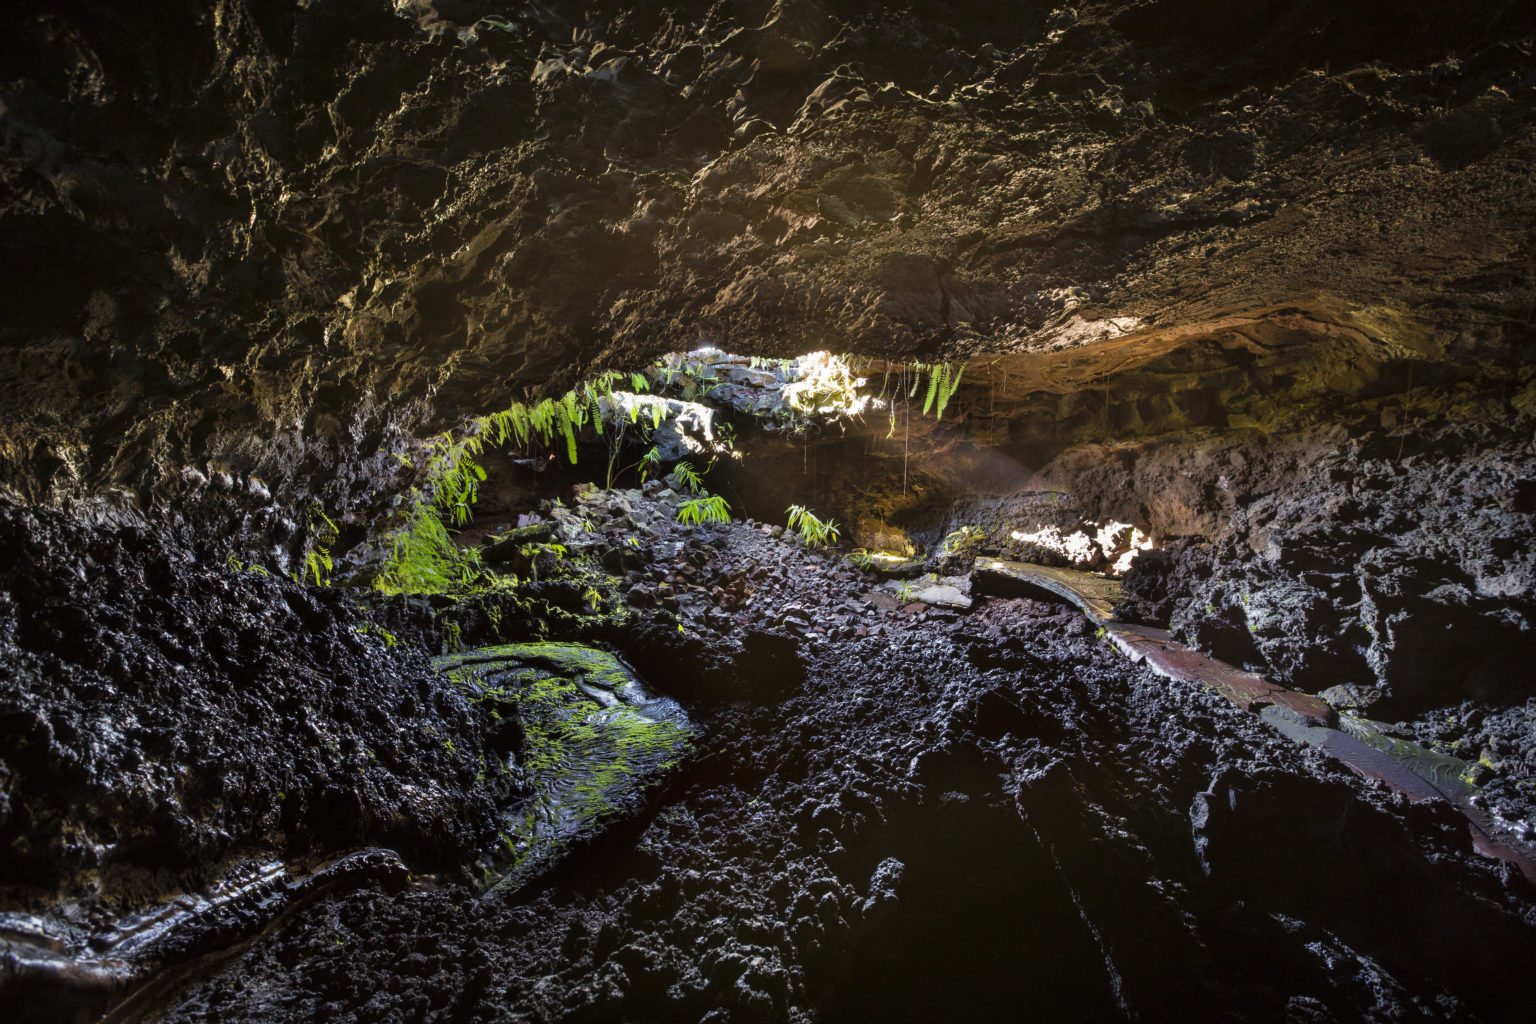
340,223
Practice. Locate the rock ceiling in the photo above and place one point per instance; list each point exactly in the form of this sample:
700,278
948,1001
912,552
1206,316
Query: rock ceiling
273,236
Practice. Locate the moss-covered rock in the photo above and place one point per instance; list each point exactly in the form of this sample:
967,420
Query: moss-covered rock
594,739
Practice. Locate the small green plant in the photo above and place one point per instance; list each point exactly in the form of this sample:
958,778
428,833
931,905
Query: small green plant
712,509
814,533
650,463
390,640
904,592
862,558
688,477
424,559
317,561
239,566
962,541
318,566
943,382
942,385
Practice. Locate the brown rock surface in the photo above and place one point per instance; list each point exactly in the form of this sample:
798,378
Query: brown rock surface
275,238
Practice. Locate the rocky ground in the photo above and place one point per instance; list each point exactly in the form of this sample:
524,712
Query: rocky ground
167,713
948,814
1397,585
902,812
1255,277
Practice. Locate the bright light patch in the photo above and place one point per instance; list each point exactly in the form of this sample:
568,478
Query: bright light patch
1138,542
1076,548
824,385
1114,542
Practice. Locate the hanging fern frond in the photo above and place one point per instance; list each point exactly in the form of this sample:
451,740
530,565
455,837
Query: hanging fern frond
952,384
595,410
935,382
569,429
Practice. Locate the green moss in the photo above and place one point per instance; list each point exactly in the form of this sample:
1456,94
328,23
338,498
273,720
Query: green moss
592,739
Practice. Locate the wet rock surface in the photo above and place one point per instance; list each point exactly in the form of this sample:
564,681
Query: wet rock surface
282,237
1255,278
592,738
1395,584
166,714
885,811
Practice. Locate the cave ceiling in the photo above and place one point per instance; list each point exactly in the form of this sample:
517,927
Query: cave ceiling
272,236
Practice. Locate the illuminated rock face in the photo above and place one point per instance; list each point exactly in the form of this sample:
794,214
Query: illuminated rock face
1234,275
271,237
1252,282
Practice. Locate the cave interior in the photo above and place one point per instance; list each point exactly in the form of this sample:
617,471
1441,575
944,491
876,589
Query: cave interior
768,510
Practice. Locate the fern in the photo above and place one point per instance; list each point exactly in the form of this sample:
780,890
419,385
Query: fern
813,532
943,382
952,384
712,509
650,463
688,477
935,381
423,557
425,560
568,417
593,391
317,564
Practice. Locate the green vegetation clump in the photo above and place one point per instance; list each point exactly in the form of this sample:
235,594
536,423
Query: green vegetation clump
711,509
318,563
423,558
813,532
238,566
688,477
963,541
942,385
588,743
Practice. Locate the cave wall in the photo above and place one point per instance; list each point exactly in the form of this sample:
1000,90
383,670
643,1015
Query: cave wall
278,239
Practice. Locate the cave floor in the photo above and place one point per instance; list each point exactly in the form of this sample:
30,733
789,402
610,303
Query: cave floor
907,814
